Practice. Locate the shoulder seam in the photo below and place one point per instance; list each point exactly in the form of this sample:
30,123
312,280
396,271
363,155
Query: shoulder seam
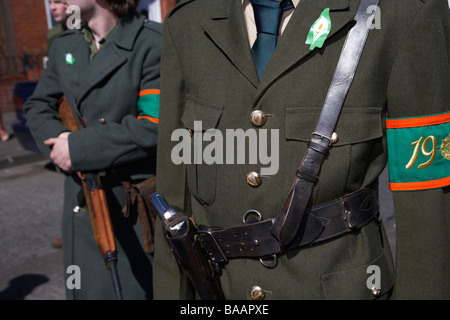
154,26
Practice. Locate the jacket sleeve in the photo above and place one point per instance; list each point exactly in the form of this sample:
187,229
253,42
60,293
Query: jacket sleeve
419,87
41,108
168,282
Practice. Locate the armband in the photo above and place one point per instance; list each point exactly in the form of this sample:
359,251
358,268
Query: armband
419,152
148,105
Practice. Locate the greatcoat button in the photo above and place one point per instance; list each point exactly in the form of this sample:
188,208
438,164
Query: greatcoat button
375,292
77,209
191,133
257,293
254,179
258,118
334,137
102,120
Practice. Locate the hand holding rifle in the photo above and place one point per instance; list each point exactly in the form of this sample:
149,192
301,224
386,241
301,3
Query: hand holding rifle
60,151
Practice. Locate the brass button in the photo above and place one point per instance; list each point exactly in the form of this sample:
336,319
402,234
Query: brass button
191,133
334,137
254,179
78,209
258,118
375,292
257,293
102,120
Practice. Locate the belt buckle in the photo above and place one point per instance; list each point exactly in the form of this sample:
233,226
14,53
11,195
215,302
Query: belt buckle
321,136
223,259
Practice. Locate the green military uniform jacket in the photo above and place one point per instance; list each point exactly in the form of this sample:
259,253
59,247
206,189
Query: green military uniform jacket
114,93
208,75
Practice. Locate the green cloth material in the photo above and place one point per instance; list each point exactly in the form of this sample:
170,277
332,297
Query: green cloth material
90,39
418,154
148,105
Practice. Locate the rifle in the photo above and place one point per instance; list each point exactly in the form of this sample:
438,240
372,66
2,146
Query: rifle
97,205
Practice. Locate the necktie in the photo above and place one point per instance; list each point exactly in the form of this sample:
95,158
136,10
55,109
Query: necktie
267,18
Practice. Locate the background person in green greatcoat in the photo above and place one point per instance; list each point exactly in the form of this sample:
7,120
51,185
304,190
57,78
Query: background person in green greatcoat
208,75
58,9
109,71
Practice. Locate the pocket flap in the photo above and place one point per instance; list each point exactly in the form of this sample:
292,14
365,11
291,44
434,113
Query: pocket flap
352,284
201,110
354,124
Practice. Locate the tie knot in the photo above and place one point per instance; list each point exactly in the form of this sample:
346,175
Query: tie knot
268,14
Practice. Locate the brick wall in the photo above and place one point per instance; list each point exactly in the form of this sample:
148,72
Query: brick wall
29,23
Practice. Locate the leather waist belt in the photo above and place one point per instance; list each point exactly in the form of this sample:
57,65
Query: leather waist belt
322,222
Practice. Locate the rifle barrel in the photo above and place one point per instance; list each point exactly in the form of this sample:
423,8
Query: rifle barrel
111,260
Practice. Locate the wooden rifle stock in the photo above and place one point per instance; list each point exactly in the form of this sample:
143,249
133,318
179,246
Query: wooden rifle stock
96,203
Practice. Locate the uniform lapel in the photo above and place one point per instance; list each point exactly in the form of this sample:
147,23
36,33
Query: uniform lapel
110,57
74,74
107,60
226,28
291,48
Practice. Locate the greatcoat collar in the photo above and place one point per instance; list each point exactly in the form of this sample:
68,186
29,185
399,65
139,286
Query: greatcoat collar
88,74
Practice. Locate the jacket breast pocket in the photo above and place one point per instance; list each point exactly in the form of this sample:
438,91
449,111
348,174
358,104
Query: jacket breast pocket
199,116
352,157
354,125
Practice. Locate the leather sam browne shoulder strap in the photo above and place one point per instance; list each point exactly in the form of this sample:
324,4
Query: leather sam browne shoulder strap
287,223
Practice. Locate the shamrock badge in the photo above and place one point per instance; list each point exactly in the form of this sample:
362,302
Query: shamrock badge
319,30
70,60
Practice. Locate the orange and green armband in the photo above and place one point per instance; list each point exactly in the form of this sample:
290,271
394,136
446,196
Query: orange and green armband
419,152
148,105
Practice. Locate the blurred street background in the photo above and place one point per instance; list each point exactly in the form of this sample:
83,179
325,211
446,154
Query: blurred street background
30,219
